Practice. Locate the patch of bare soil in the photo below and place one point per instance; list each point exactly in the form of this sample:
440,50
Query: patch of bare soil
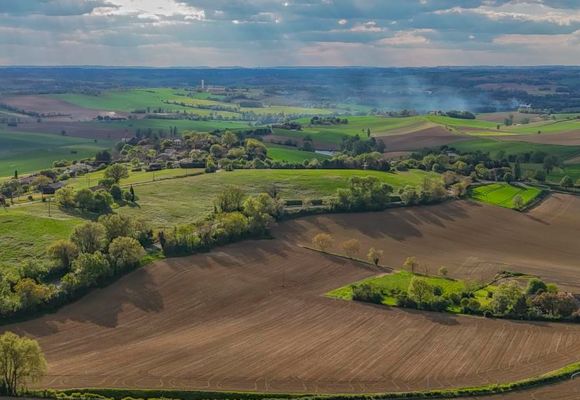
253,316
426,138
61,110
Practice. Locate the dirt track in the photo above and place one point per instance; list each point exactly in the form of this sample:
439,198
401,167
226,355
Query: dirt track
252,316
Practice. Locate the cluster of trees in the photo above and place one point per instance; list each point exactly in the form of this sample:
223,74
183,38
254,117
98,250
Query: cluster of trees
363,194
509,300
434,190
236,216
460,114
480,165
316,120
94,253
226,150
100,200
354,145
351,248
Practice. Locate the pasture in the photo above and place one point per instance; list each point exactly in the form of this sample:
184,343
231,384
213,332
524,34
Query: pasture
183,200
26,231
28,152
164,98
292,154
494,147
253,315
503,194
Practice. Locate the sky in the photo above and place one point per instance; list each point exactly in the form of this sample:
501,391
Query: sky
262,33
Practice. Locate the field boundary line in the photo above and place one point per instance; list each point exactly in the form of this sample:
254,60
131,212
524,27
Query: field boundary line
567,372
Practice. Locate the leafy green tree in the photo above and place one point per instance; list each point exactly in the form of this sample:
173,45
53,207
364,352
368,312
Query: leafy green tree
89,237
117,225
536,285
65,197
505,297
229,200
125,252
551,162
364,193
229,139
567,182
32,293
63,251
116,193
116,172
102,202
90,269
21,363
84,199
420,291
256,149
261,210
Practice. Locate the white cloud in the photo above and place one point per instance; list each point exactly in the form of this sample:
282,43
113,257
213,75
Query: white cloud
369,26
150,9
414,37
524,11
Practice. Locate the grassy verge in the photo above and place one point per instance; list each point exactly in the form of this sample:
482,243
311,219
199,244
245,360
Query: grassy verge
454,393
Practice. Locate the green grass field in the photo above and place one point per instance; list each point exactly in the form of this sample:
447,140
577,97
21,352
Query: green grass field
28,152
546,127
183,200
130,100
503,194
26,231
139,177
494,147
400,280
182,125
292,154
459,122
333,134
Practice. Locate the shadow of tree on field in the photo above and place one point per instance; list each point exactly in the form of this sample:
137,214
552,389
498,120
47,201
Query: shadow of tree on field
136,289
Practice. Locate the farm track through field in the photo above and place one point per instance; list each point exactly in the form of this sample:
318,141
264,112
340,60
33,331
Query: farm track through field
252,316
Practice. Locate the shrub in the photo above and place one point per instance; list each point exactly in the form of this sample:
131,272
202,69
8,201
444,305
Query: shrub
367,293
89,237
322,241
536,285
125,252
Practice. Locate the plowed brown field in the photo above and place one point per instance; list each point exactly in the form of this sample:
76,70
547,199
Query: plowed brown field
425,138
252,316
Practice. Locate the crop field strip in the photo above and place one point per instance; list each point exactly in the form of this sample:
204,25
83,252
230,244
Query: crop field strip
253,316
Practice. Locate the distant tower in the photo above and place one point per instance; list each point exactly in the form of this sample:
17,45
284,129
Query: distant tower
202,84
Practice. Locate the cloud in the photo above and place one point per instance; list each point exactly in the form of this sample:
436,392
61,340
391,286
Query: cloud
414,37
289,32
